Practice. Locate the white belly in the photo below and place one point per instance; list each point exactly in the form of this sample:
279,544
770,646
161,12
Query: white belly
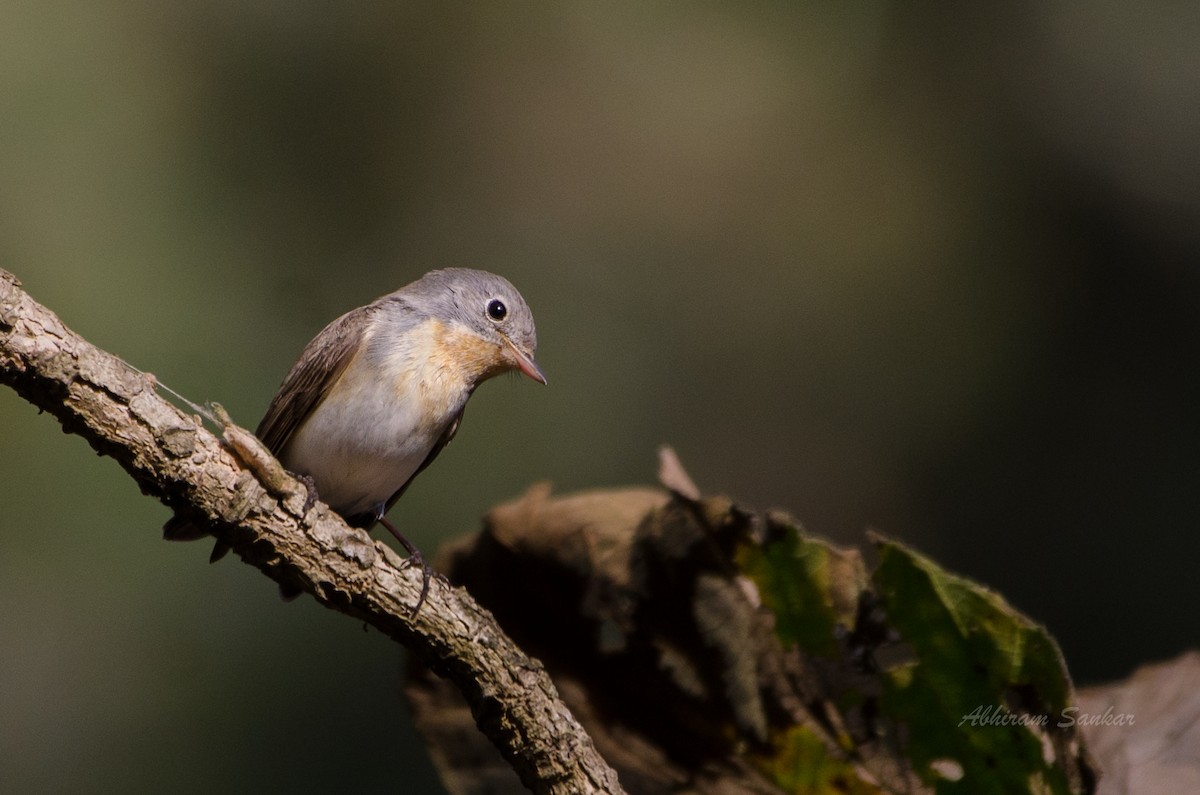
364,441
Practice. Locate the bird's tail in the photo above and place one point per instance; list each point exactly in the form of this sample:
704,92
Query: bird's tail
177,529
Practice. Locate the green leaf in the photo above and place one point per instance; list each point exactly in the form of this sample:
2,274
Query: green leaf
980,702
802,763
810,586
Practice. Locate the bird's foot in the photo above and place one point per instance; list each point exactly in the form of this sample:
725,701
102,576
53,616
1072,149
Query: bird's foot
415,558
310,496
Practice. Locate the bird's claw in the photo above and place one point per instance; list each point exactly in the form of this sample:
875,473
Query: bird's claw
415,558
310,495
427,573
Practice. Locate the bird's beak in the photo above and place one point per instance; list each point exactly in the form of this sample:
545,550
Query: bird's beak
525,363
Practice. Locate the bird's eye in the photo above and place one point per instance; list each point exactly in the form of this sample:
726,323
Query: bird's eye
497,310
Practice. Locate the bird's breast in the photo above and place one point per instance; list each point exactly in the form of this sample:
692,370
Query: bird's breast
378,424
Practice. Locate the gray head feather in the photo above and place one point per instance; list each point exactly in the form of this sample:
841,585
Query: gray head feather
483,302
467,296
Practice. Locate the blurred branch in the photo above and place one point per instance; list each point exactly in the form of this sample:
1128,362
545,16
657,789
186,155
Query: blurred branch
172,457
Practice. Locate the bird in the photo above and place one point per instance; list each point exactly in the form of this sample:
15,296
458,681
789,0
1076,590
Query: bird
381,390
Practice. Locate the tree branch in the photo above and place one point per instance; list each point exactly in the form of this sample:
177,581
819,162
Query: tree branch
172,457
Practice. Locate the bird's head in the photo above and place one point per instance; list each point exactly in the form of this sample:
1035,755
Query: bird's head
486,324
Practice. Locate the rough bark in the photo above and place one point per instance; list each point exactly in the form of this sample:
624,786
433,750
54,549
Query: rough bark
174,458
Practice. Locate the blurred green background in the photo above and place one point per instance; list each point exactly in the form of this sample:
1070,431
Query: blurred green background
931,270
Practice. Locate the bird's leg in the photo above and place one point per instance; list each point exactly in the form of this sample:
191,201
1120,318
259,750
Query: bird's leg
415,558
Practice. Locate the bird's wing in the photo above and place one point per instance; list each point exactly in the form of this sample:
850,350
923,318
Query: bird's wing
314,374
324,360
442,441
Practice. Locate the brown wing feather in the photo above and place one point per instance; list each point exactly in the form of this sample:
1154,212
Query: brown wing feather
319,367
315,372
